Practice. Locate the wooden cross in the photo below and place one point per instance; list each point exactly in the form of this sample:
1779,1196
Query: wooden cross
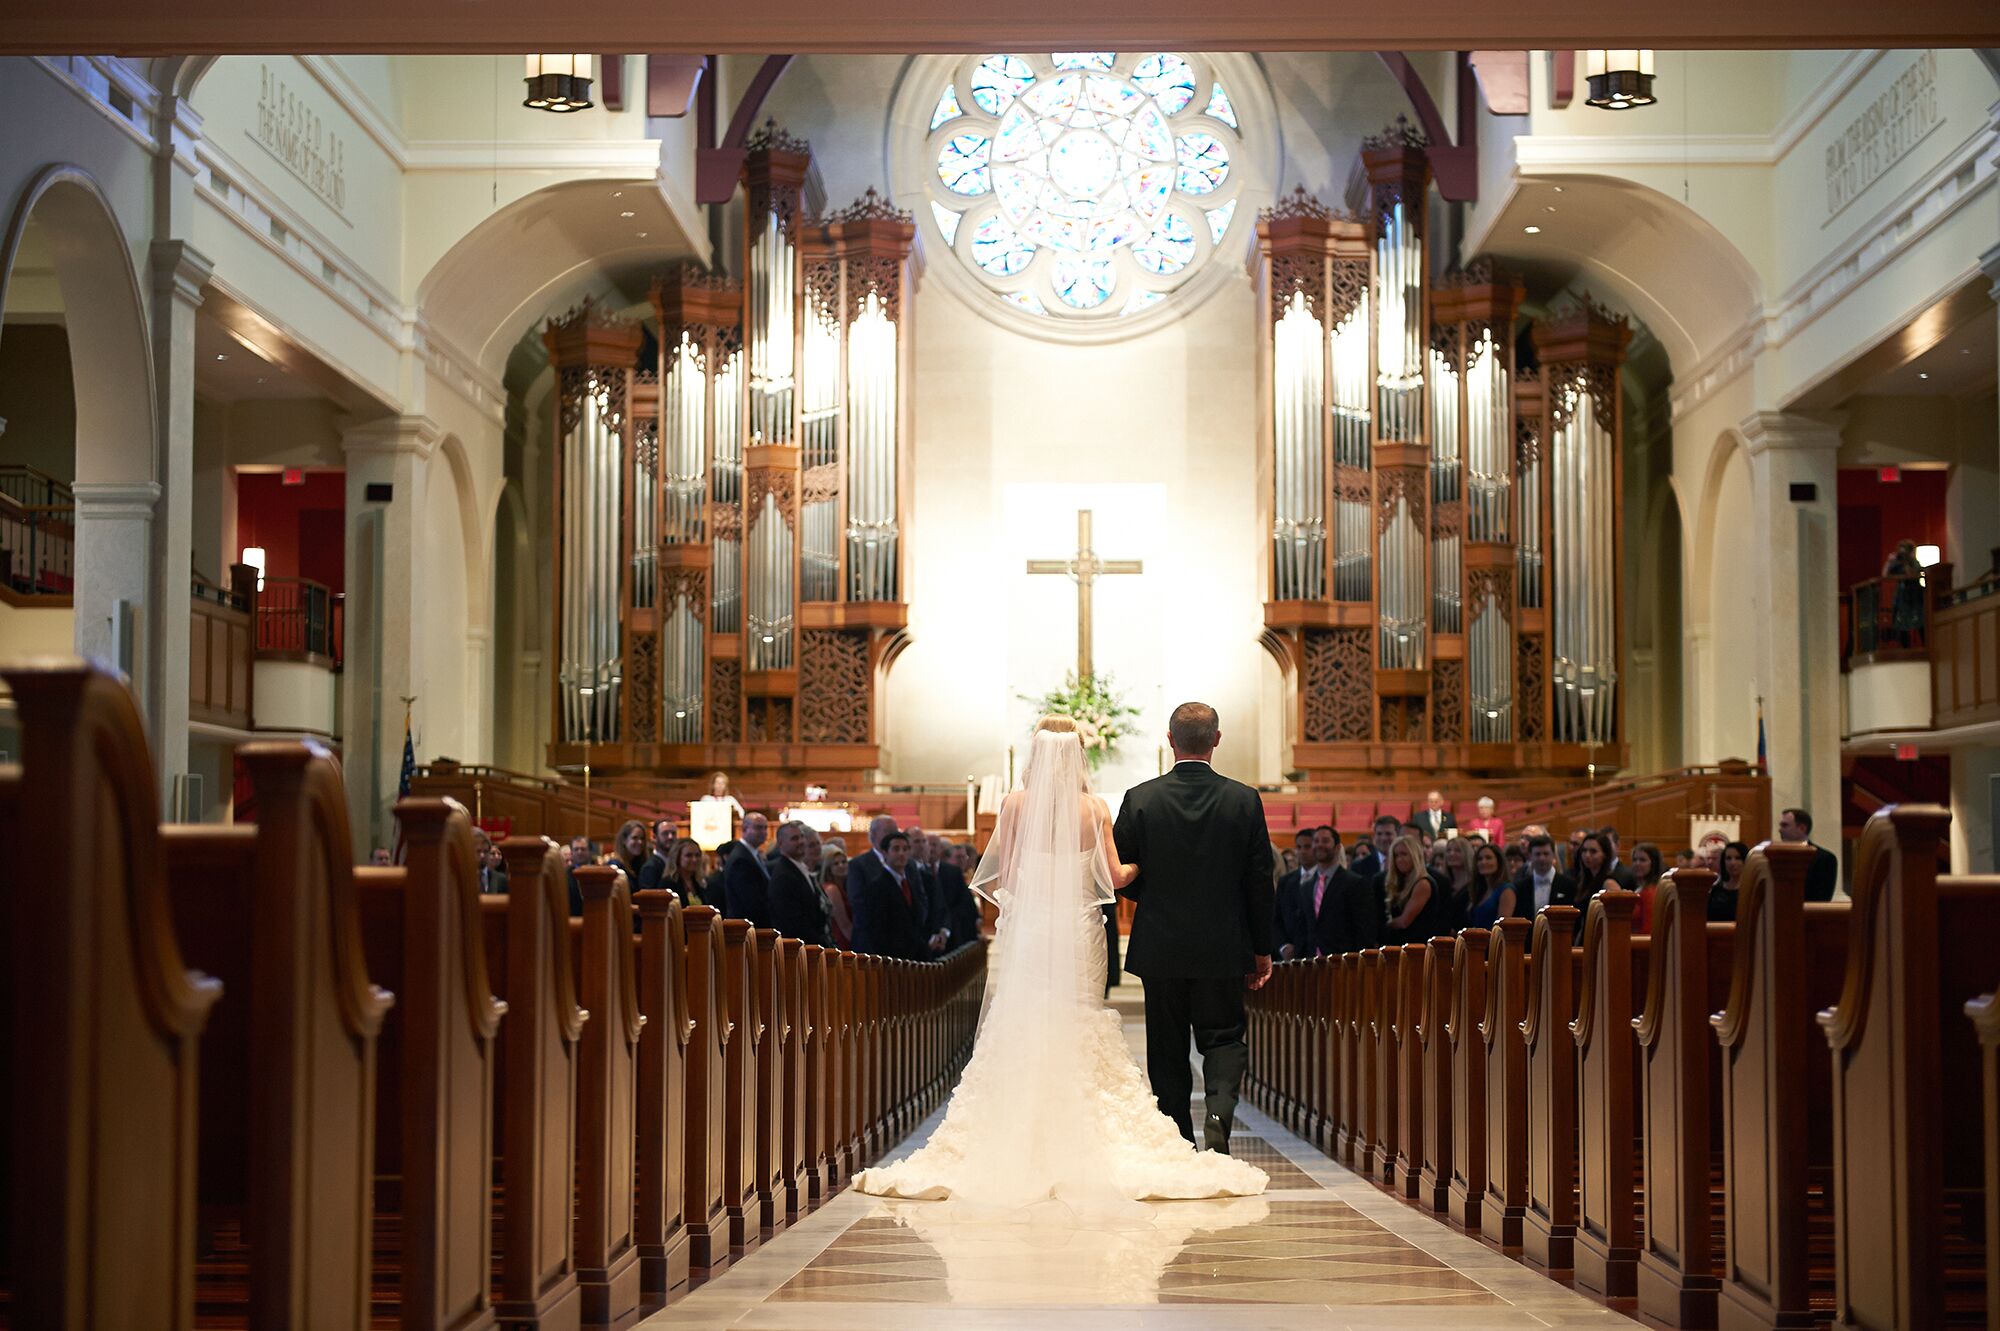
1084,568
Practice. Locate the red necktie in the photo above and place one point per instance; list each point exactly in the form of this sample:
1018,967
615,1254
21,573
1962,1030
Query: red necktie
908,900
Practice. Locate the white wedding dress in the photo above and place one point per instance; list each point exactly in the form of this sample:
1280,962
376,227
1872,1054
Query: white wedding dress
1052,1105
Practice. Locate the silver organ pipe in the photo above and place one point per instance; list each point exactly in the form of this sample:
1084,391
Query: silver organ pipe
727,495
819,390
768,322
1401,336
1528,489
1298,525
873,444
683,667
645,512
1401,590
684,446
592,555
1445,553
1584,633
770,592
1489,435
1489,655
1352,419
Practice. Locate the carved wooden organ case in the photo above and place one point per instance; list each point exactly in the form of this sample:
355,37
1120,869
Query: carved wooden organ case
731,520
1442,582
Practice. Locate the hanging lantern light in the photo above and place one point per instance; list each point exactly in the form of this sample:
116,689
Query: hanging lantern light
1619,80
558,83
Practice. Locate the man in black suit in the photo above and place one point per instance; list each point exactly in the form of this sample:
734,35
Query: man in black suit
889,909
1292,935
1204,927
954,911
1823,875
1381,836
746,880
1620,873
1333,909
1543,885
1434,819
665,832
798,908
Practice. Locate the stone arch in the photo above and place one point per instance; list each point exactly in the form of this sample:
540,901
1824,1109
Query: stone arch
1721,606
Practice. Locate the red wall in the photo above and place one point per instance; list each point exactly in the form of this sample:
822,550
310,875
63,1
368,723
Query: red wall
303,528
1875,514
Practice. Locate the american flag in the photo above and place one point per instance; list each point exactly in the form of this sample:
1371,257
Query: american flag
403,779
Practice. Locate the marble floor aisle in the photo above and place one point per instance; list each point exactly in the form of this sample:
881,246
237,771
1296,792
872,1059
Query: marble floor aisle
1323,1249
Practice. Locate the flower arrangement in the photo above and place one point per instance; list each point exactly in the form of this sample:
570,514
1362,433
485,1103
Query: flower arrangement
1102,715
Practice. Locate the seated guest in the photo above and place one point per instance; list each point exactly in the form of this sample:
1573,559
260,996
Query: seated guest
1345,908
1593,859
1621,872
1486,824
959,909
718,866
798,909
1456,880
582,854
1381,836
1684,859
1543,884
1424,840
890,913
1288,862
1413,901
658,864
1292,944
632,847
1434,820
1823,874
833,882
1728,881
684,877
746,882
1515,857
492,864
1647,866
1492,891
1572,849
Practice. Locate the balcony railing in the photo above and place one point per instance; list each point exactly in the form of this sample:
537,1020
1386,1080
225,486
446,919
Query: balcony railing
37,535
1889,618
299,620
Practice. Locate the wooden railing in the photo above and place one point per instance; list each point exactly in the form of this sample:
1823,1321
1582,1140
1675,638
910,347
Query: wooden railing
1888,618
299,620
37,537
1965,656
1769,1123
250,1078
220,687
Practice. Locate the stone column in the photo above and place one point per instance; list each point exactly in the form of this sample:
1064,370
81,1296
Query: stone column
114,579
478,694
384,658
179,273
1798,643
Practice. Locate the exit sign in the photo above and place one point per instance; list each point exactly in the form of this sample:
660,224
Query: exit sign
294,476
1906,753
1890,475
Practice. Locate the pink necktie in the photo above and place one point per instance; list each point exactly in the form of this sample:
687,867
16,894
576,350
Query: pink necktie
1319,891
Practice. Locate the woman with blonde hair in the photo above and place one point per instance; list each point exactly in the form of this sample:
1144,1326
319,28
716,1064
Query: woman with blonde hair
1414,898
1052,1104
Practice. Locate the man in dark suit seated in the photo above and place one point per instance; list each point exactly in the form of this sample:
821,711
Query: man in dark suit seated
1823,875
1332,909
1543,885
798,908
746,882
890,911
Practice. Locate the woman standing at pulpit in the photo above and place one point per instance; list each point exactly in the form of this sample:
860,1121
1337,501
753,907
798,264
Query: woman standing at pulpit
719,793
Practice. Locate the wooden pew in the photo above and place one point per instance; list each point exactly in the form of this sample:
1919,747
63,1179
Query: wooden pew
706,1212
103,1021
1675,1281
438,1064
1549,1239
1467,1051
528,951
739,1114
1434,1056
797,1176
607,1249
1776,1078
1384,989
766,965
1353,1061
847,1002
1612,981
664,1095
1504,1209
1984,1013
821,1072
1920,947
1327,1039
288,1084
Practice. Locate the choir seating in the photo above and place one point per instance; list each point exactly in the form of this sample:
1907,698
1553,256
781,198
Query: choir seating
254,1085
1788,1120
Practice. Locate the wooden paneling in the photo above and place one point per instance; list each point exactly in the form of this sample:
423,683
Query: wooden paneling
1965,662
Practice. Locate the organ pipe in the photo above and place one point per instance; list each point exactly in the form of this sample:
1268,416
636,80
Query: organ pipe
1489,437
684,411
873,446
819,379
1489,654
1400,589
1298,527
726,494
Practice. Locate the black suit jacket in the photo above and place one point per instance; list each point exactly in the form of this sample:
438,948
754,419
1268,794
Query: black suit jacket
652,872
1349,916
1366,865
1822,876
1562,892
1292,914
884,923
746,886
1206,907
798,908
958,911
1434,823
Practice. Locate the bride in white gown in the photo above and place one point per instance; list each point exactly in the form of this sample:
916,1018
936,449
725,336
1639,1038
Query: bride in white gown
1052,1104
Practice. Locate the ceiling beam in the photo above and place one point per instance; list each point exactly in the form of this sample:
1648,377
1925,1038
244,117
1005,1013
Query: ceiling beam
143,27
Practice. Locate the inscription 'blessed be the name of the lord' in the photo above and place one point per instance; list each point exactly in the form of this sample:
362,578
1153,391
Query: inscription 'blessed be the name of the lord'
296,136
